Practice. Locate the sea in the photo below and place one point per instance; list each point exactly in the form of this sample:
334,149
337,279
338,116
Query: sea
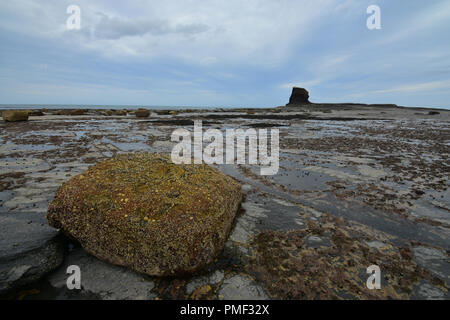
102,107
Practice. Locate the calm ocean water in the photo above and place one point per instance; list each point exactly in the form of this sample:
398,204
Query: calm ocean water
104,107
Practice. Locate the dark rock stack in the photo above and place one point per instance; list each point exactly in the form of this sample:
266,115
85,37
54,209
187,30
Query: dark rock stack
299,96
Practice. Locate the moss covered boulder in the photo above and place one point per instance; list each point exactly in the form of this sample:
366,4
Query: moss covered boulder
144,212
120,112
142,113
15,115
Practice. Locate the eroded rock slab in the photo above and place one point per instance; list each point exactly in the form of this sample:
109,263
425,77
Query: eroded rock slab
29,249
241,288
103,280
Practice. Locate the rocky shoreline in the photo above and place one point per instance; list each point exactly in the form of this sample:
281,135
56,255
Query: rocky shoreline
357,185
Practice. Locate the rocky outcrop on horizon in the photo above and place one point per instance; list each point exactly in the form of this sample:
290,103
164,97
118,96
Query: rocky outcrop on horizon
299,96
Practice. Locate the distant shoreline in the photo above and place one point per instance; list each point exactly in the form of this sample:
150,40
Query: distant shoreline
333,106
96,107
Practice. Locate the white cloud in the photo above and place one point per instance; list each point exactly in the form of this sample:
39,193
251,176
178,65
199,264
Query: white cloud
115,28
409,88
322,70
255,32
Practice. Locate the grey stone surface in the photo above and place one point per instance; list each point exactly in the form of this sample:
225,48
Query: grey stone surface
426,291
211,279
314,239
437,261
29,249
241,288
317,242
246,224
104,280
163,146
376,244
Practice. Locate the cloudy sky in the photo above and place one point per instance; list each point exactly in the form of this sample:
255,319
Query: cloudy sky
237,53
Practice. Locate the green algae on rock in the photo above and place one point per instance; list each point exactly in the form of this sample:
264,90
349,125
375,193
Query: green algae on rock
144,212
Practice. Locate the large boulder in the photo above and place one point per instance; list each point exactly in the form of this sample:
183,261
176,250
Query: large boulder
144,212
120,112
142,113
77,112
15,115
299,96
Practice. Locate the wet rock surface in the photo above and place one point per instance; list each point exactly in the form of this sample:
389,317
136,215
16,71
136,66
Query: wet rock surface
102,280
372,189
241,288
